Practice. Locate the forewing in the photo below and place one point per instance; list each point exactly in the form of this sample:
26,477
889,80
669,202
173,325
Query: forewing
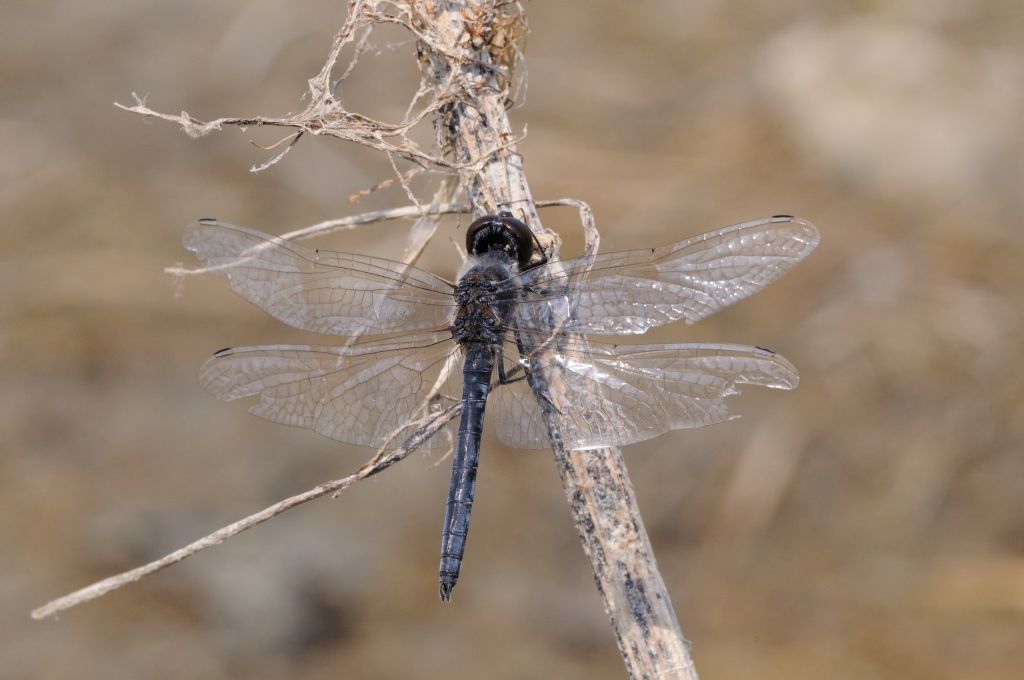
320,290
629,292
364,394
618,395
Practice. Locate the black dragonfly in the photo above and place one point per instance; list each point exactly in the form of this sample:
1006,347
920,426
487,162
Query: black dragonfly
413,337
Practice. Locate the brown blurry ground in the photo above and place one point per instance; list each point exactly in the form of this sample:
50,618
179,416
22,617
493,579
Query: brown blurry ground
868,525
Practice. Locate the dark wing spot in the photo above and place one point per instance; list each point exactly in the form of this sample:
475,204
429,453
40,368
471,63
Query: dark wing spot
781,218
207,220
222,352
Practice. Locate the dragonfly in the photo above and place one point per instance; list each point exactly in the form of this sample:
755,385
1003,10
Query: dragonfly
414,340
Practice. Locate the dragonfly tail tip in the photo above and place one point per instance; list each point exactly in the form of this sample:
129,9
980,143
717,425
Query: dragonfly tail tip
446,591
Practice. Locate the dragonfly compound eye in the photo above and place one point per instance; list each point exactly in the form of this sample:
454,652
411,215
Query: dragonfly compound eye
501,232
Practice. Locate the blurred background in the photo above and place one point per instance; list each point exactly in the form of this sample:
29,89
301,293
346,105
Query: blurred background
868,525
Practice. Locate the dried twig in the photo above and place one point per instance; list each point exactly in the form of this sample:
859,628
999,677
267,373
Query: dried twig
353,221
430,424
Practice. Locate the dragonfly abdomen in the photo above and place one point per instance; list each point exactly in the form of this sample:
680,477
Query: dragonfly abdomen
475,386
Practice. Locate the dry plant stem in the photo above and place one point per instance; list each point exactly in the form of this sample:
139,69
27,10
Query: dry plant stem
431,423
353,221
596,483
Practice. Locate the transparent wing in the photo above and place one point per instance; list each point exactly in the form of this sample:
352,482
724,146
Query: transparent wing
361,394
320,290
625,394
632,291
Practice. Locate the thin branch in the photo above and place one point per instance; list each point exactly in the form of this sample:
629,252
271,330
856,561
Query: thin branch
353,221
315,120
426,226
384,184
346,223
294,139
430,424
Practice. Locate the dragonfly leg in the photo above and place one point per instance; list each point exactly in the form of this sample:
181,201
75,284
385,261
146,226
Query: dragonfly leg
547,400
507,377
517,374
543,256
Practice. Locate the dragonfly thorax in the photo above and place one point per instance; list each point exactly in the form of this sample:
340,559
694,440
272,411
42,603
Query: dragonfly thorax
484,297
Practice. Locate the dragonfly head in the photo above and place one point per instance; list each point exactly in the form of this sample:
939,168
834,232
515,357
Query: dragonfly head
501,232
